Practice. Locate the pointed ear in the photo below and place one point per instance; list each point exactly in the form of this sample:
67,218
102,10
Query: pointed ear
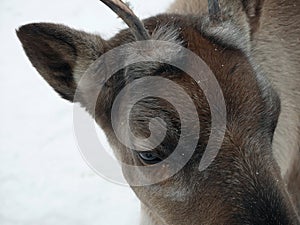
239,21
244,13
253,9
60,54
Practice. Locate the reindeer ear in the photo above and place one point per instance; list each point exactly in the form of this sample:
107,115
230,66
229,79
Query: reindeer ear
253,10
237,23
244,13
60,54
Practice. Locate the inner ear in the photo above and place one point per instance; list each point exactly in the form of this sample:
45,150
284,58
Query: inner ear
245,13
60,54
253,10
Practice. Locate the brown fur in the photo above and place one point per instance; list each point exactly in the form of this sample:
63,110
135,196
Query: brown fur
244,185
274,24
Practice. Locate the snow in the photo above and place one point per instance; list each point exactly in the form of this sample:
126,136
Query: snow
43,178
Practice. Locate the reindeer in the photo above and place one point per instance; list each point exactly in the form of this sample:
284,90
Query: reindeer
252,48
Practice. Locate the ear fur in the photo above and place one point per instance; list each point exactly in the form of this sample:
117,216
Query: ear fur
253,9
60,54
243,13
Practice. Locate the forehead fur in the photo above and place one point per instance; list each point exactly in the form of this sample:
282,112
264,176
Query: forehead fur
227,32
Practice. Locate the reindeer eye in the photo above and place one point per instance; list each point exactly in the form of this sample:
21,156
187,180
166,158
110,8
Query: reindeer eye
149,157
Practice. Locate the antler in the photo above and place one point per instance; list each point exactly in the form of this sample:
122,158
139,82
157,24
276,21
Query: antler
128,16
214,10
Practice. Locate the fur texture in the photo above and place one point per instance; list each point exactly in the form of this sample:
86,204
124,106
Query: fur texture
272,23
244,185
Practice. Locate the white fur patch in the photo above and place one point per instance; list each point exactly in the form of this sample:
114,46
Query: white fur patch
228,33
166,33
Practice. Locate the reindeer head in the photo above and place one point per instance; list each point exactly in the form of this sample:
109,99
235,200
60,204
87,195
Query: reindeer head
243,184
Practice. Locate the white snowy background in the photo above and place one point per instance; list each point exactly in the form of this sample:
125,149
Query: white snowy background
43,178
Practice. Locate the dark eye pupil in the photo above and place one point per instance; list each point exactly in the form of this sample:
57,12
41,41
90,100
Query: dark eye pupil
149,157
